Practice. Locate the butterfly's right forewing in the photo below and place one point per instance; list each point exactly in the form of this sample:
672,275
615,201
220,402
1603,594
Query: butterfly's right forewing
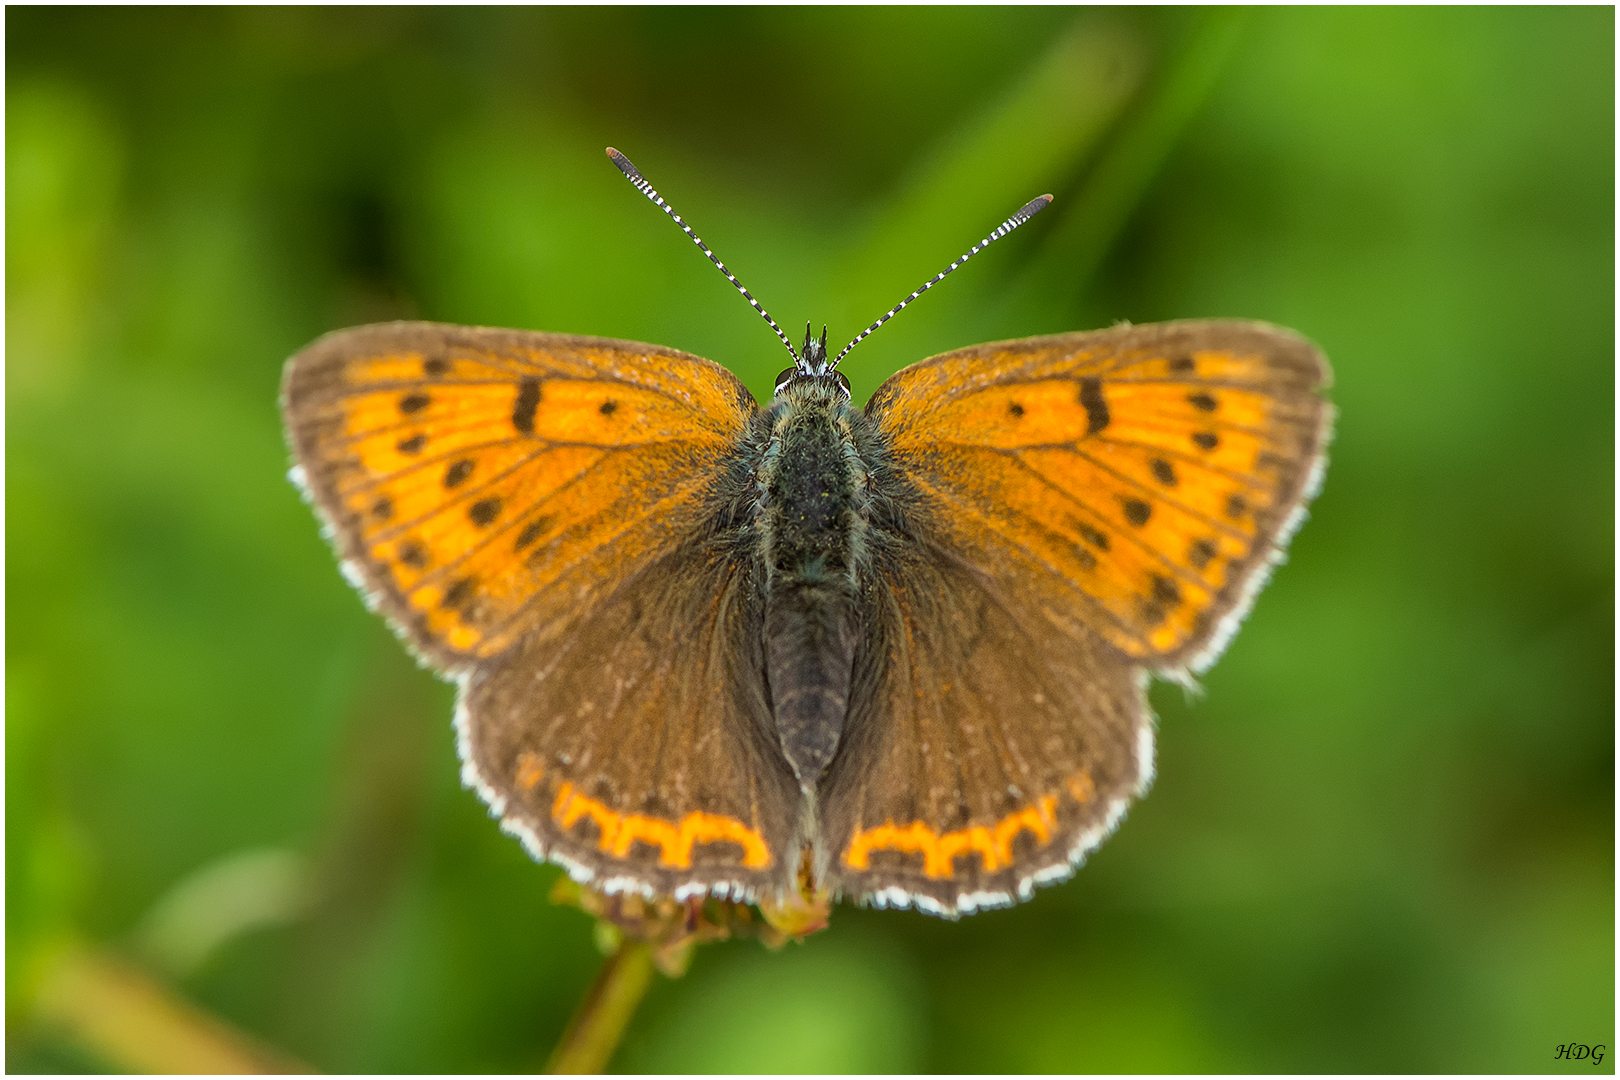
1134,483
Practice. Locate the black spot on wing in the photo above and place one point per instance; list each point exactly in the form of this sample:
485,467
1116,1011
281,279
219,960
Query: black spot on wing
608,408
484,511
1166,598
1206,440
1200,552
383,508
413,403
457,593
533,531
435,366
1202,401
1091,536
1091,396
1137,512
528,400
1162,472
1165,591
458,472
412,445
413,554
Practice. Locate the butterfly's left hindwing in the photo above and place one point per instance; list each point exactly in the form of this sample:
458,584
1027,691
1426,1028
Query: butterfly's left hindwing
639,750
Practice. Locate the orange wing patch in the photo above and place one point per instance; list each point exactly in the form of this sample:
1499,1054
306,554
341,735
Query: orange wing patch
530,770
674,839
1147,476
992,843
472,472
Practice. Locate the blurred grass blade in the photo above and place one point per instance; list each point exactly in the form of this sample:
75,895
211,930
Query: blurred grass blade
1033,141
1088,224
136,1024
244,891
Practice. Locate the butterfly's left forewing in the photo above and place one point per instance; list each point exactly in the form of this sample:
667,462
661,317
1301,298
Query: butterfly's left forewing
484,485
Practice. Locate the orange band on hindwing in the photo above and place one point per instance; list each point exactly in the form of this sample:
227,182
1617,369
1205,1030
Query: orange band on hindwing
992,843
674,840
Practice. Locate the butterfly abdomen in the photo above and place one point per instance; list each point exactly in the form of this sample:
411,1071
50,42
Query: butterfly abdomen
811,524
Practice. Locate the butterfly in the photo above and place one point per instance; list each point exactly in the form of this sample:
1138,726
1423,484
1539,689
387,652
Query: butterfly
898,653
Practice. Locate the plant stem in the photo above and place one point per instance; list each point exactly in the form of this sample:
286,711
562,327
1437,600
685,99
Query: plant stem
135,1023
594,1033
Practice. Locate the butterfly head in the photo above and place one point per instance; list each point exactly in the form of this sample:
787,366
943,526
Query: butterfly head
812,364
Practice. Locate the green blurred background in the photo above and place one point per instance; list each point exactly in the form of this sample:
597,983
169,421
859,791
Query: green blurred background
1384,838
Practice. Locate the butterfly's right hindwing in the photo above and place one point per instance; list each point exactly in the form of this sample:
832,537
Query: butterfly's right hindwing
983,753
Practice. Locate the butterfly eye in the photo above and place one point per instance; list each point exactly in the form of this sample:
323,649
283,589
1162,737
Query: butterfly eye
784,378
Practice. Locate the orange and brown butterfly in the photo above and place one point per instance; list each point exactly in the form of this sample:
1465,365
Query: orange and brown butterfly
706,647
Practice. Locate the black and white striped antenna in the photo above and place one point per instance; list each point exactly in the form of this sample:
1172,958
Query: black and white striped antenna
1029,210
646,189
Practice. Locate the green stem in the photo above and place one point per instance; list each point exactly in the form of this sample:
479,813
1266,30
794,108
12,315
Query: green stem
137,1024
594,1032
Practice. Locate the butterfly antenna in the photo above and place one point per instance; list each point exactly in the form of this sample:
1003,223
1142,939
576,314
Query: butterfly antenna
635,177
1030,209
